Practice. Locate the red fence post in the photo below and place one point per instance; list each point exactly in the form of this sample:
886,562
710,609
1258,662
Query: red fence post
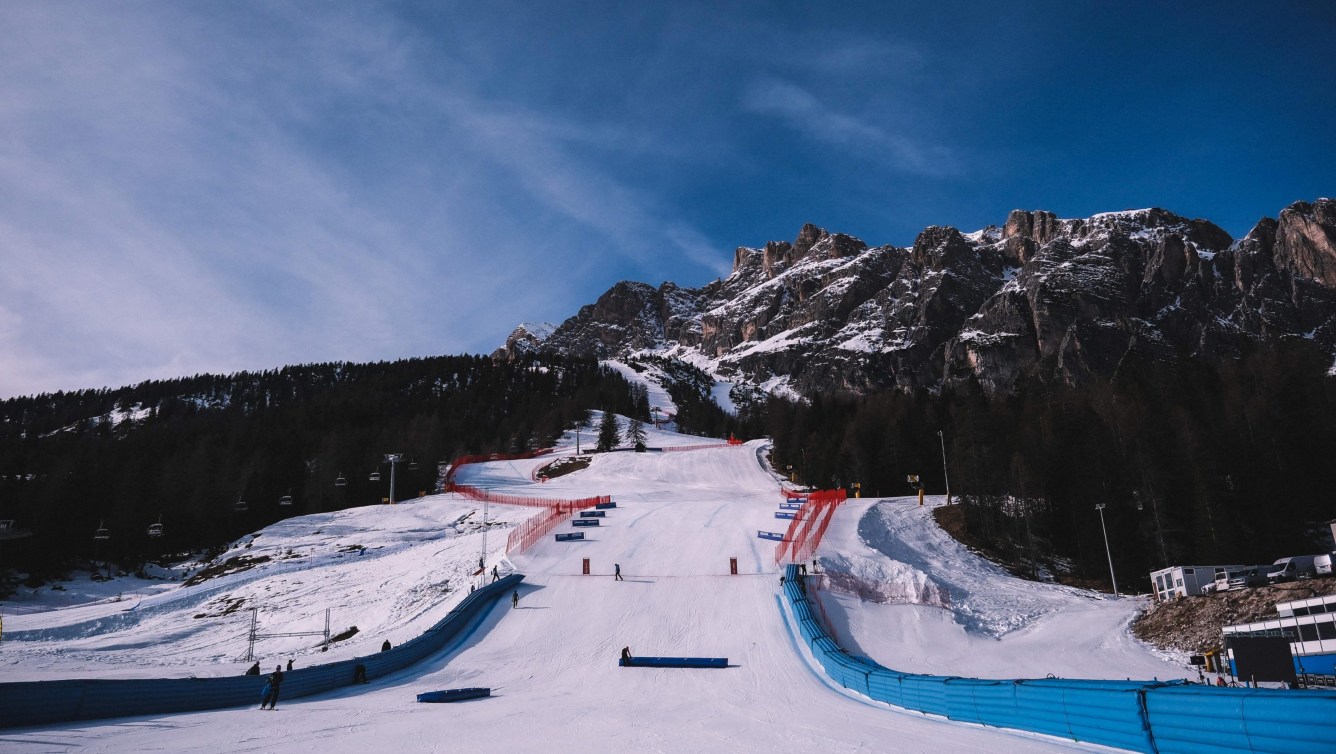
586,566
733,566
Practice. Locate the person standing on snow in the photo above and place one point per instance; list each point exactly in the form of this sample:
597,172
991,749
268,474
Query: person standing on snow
275,681
495,577
515,599
617,572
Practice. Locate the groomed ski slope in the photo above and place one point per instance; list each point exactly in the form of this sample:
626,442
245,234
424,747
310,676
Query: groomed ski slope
552,662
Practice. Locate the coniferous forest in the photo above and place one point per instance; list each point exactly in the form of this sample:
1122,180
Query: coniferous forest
211,457
1195,462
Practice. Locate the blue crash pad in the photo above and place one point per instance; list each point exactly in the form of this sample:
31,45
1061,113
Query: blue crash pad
593,514
453,695
605,506
775,535
674,662
584,522
570,536
784,514
791,506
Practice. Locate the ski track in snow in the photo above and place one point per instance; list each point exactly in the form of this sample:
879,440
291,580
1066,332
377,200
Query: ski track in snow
930,606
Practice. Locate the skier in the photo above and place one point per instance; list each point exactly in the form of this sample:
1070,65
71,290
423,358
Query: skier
617,572
275,681
495,576
289,663
386,646
254,669
514,599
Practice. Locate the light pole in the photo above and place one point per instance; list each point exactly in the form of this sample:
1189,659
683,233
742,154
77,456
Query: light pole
392,459
941,438
1100,508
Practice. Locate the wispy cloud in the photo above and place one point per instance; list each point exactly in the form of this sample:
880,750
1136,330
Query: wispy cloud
799,109
178,196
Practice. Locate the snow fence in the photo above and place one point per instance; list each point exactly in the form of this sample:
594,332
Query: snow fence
1147,716
46,702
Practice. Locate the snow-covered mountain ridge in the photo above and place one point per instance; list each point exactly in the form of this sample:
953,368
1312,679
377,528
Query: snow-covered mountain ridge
1067,299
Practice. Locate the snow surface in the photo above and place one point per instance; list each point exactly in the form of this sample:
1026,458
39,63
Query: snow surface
551,663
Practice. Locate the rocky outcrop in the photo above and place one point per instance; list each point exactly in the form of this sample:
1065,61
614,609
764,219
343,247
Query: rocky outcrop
1068,299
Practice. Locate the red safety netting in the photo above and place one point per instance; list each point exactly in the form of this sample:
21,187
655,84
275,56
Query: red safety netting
523,536
694,447
809,525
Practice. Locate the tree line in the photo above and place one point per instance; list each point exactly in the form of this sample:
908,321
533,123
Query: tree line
189,452
1195,462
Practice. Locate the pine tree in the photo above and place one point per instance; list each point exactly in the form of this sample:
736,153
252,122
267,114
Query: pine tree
607,432
635,434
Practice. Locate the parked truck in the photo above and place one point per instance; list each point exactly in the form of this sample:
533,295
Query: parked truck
1291,568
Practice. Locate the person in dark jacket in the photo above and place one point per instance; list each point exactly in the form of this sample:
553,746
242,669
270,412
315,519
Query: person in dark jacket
359,673
515,599
617,572
275,681
289,663
386,646
254,669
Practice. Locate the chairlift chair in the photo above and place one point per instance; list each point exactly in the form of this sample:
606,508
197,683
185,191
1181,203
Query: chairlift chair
375,476
240,507
287,499
155,530
101,532
412,465
340,481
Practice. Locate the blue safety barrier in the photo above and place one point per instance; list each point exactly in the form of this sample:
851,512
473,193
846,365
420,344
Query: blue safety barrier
785,514
45,702
604,506
1148,716
584,522
674,662
775,535
453,695
593,514
792,506
570,536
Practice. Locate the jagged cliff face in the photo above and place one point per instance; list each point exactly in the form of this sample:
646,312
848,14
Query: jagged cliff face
1067,299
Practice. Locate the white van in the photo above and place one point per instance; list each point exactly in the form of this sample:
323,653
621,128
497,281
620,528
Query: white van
1291,568
1322,565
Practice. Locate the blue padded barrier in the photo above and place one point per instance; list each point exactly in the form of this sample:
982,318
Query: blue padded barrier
1195,718
584,522
790,506
1146,716
772,535
674,662
604,506
453,695
570,536
25,703
593,514
785,514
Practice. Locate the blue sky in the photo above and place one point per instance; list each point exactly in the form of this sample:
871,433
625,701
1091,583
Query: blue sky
215,186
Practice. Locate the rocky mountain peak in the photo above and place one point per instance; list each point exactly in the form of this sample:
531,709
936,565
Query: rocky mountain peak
1305,242
1067,299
